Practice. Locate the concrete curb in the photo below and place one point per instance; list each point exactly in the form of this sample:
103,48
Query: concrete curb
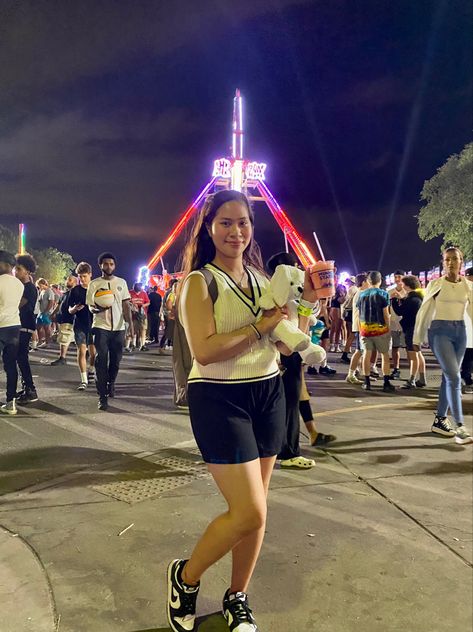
25,592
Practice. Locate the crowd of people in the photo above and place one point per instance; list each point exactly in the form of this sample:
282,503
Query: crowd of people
245,393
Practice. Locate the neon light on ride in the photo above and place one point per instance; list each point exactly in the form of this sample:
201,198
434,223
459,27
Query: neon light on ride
180,225
237,135
21,239
299,246
241,174
143,275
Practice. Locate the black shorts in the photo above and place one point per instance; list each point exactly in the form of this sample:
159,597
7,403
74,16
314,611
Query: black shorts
409,338
237,423
326,332
83,337
348,316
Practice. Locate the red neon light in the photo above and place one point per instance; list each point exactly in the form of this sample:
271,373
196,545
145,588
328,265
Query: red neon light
300,247
179,226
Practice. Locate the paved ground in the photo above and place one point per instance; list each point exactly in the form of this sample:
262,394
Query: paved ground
377,537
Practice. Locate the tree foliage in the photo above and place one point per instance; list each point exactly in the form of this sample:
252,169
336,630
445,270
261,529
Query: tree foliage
53,265
8,240
449,208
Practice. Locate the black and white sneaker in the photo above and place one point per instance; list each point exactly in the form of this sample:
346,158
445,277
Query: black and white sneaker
442,426
181,599
238,613
28,396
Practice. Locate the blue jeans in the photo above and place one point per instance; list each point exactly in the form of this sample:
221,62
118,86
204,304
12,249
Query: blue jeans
447,339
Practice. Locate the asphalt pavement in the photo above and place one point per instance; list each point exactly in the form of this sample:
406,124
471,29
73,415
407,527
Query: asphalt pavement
93,506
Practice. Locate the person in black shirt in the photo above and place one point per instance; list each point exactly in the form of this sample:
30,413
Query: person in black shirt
407,308
65,322
25,267
83,324
155,302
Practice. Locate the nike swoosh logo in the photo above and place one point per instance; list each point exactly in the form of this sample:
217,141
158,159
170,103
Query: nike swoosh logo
175,600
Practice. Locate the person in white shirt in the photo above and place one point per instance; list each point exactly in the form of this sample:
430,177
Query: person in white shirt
11,293
442,314
108,327
361,281
348,318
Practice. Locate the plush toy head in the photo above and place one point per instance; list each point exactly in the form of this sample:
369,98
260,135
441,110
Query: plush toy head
287,284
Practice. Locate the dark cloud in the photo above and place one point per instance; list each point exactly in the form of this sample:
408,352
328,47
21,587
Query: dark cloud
49,44
111,113
377,93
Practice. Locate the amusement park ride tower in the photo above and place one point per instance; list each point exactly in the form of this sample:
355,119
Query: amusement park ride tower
239,174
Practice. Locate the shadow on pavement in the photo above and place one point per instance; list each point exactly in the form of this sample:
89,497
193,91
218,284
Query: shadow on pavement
213,622
68,466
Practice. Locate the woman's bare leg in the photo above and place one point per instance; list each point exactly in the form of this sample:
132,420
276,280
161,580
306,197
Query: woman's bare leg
242,487
245,554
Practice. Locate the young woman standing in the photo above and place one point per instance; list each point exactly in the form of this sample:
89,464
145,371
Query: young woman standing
443,315
235,399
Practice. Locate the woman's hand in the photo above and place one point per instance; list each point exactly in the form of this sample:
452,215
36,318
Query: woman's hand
416,347
310,293
270,319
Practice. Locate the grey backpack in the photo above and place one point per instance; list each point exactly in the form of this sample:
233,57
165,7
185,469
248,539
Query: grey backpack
181,354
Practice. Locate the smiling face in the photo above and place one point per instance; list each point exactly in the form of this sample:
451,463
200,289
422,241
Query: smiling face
398,281
231,230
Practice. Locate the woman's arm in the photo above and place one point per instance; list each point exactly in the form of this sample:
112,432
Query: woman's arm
198,320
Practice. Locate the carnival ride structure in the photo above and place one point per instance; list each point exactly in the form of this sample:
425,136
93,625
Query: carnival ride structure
241,174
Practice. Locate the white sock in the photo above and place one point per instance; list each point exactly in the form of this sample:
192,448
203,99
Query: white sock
83,377
351,373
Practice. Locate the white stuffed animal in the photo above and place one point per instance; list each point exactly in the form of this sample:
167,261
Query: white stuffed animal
285,288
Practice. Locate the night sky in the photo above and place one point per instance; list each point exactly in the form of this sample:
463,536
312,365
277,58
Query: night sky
112,112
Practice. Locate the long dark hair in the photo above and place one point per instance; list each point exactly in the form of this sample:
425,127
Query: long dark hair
200,248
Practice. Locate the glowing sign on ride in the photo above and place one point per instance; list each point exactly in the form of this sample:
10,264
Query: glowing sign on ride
255,171
222,168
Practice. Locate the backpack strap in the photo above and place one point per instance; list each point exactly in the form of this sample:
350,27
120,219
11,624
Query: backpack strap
211,283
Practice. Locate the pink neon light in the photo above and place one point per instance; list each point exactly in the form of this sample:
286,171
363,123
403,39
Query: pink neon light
179,226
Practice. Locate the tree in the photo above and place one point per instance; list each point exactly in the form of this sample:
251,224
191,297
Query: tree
449,208
53,265
8,240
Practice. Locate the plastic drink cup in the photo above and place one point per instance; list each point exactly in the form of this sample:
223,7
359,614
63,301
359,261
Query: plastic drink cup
322,275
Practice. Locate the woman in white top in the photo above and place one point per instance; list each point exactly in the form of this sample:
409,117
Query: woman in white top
443,315
236,401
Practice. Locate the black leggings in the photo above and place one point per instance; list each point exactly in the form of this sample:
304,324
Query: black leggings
466,366
24,361
9,337
292,381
